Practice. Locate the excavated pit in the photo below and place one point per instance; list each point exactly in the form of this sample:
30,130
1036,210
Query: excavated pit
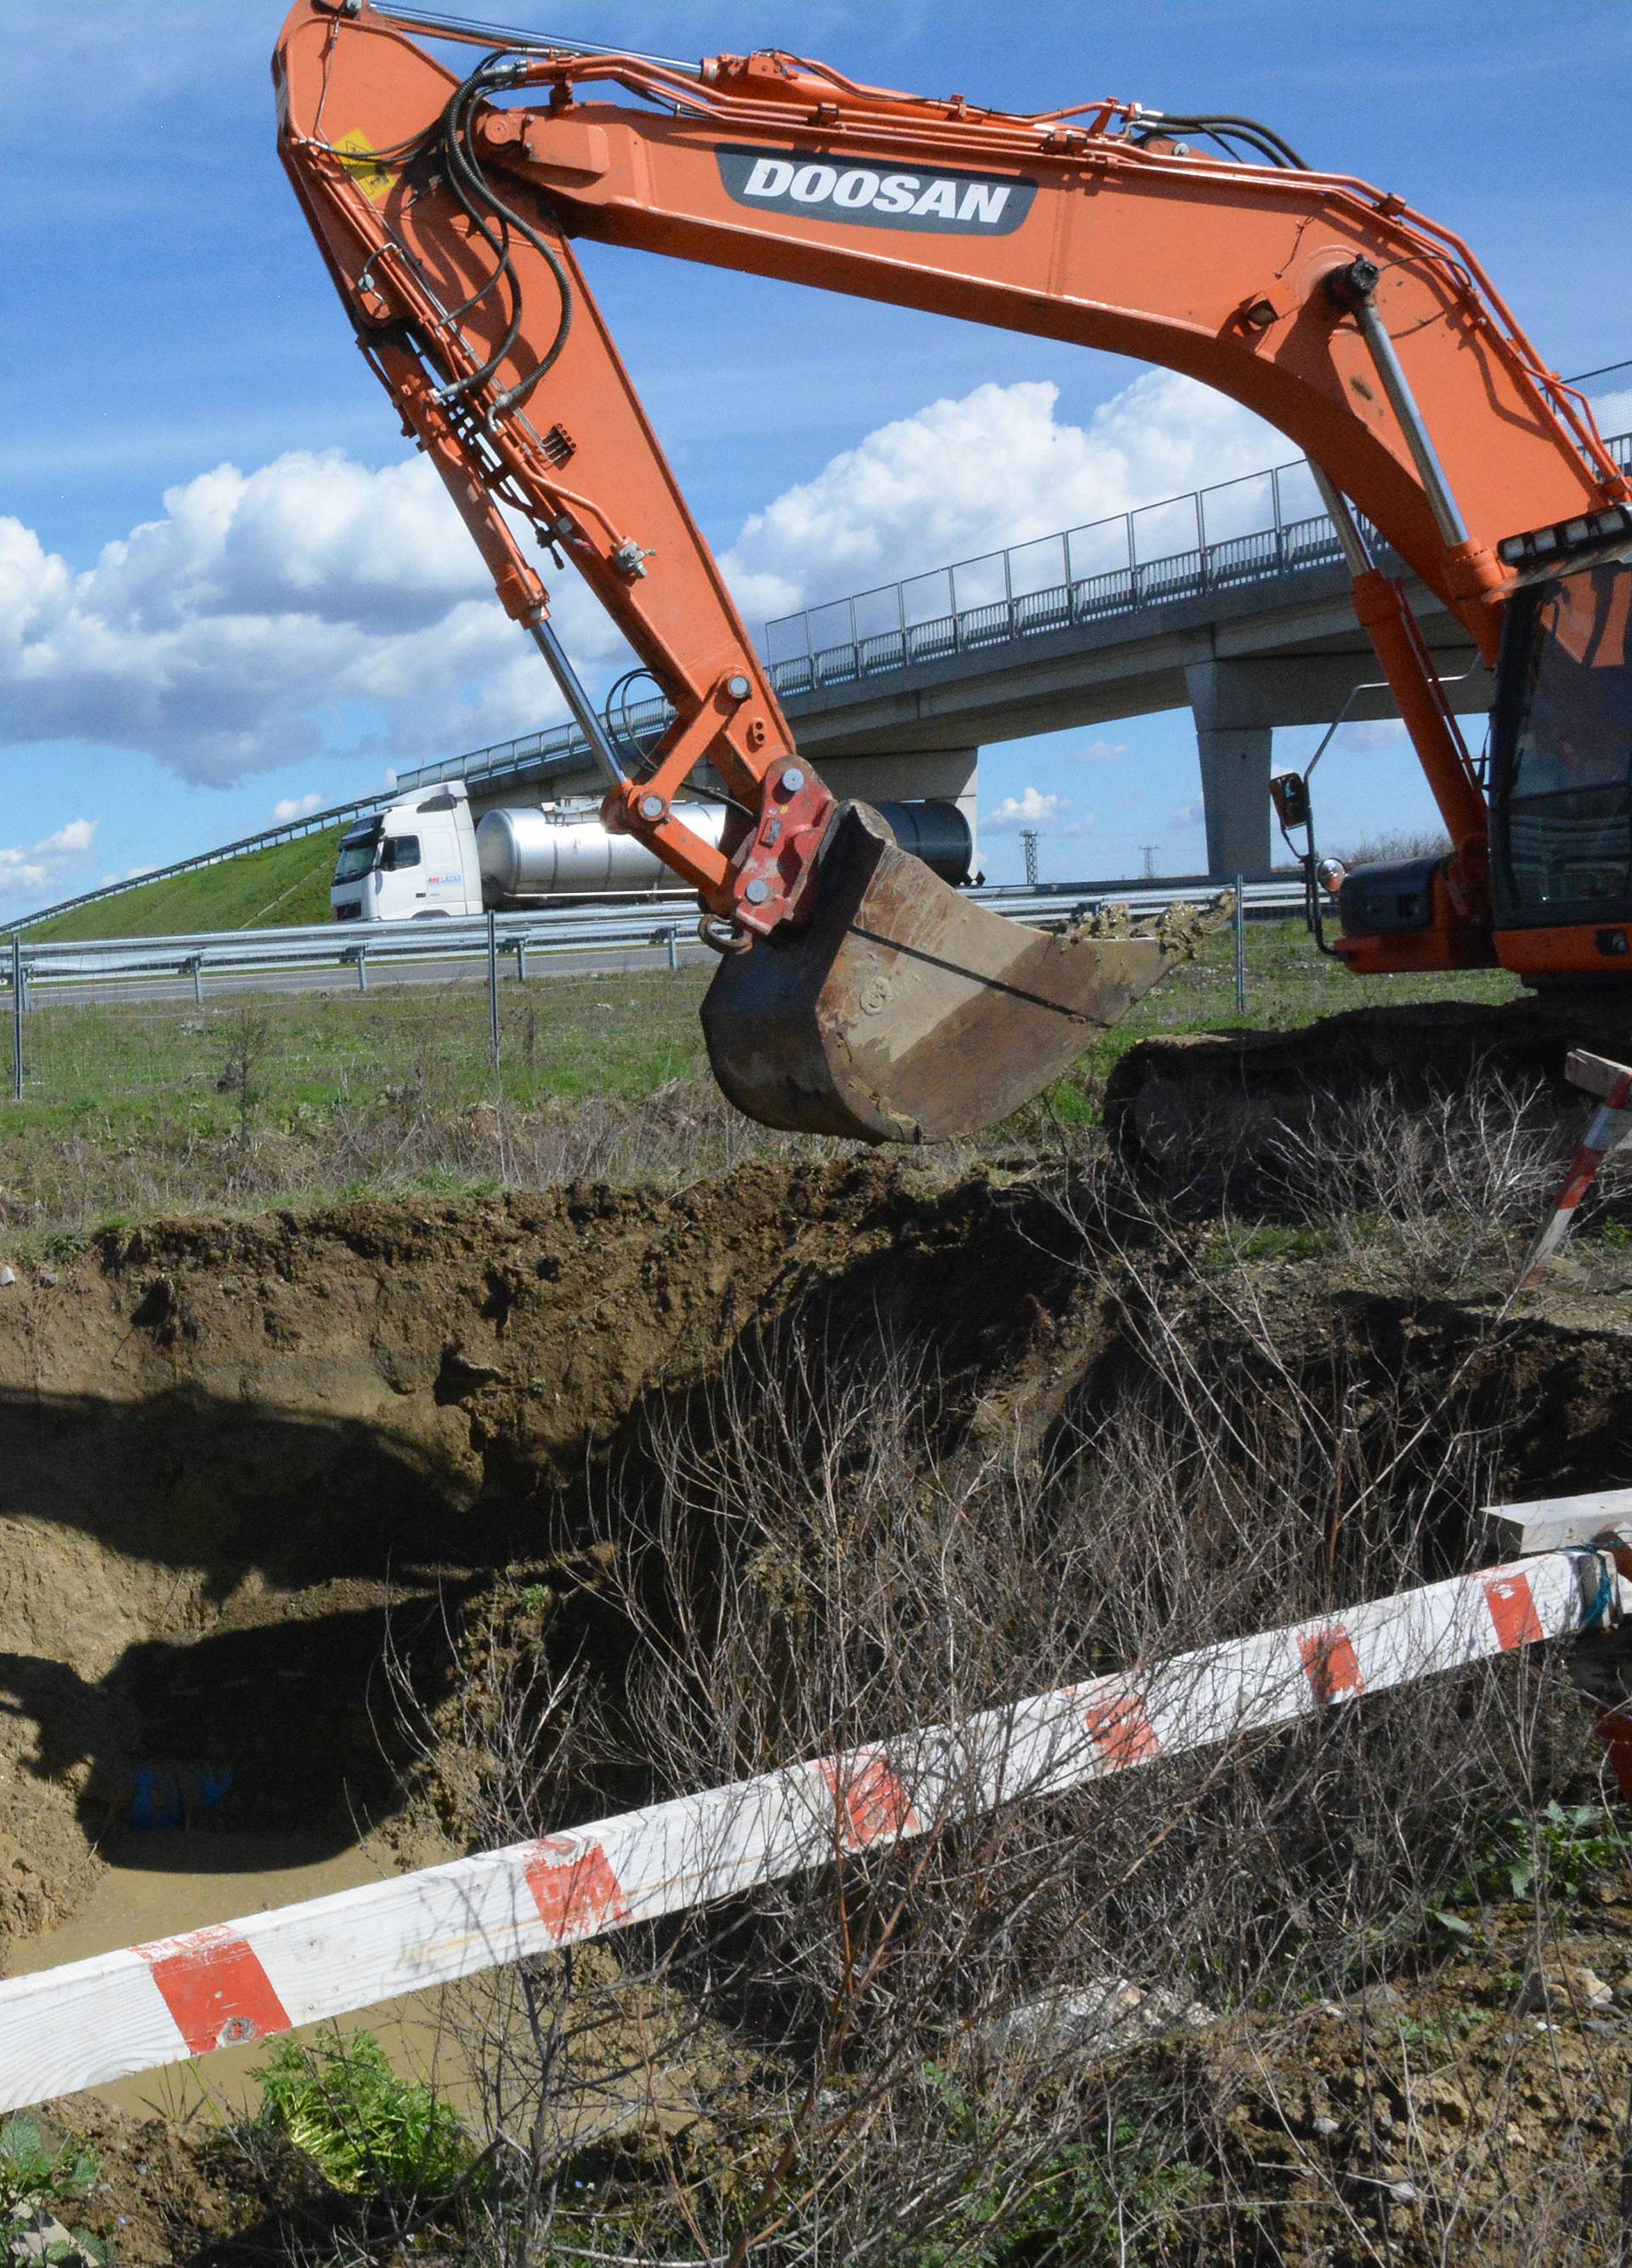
268,1488
237,1458
234,1457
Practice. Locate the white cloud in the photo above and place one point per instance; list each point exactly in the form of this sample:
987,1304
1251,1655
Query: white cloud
1382,733
228,637
70,842
1033,807
295,806
1029,808
1190,815
1099,752
996,468
268,616
42,866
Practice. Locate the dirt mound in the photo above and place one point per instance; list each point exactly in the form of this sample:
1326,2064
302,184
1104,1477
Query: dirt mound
1222,1101
1432,2117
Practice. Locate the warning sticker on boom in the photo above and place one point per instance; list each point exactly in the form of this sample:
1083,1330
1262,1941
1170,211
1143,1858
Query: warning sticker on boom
933,202
363,165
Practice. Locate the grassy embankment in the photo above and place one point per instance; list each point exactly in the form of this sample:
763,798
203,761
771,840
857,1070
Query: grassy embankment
280,887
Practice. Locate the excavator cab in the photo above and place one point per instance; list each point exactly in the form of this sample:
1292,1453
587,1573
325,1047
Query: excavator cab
1562,750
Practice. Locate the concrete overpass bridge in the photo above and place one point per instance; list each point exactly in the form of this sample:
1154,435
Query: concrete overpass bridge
1232,601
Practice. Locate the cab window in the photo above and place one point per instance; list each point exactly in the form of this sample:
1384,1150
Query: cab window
401,850
1569,741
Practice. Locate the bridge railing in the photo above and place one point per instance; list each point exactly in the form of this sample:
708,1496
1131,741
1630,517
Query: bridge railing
1101,569
1063,605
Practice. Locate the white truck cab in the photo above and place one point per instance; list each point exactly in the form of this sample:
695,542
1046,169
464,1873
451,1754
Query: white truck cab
414,861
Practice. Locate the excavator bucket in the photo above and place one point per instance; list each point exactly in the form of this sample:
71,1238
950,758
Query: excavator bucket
902,1013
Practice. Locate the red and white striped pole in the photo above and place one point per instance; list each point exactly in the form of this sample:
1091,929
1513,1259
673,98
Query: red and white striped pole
95,2021
1611,1122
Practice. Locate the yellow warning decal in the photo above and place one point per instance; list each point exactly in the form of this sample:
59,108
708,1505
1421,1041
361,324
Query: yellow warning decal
374,180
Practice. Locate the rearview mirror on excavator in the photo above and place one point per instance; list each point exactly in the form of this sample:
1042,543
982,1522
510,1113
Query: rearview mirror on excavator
1288,792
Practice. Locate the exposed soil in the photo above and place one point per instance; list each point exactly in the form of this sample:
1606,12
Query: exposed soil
1476,2111
236,1456
229,1452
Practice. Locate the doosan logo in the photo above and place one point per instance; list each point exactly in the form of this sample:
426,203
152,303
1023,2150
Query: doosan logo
945,204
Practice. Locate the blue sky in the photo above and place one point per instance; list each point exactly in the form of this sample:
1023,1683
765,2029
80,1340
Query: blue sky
168,317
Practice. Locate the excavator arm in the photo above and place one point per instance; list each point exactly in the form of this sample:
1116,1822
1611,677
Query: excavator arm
866,1003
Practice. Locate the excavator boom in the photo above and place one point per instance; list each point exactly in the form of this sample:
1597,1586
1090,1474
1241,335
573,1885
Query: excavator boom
857,994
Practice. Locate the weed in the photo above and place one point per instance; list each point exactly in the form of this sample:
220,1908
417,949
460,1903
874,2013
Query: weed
1087,2202
1267,1240
250,1034
366,2128
35,2176
1421,2032
1559,1850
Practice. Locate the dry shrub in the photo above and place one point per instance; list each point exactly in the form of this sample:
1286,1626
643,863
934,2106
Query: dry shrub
1442,1177
904,2056
1446,1177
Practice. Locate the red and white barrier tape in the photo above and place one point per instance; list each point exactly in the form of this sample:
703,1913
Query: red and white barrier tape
149,2005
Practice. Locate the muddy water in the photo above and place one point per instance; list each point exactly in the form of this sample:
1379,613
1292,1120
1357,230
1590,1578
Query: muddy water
159,1884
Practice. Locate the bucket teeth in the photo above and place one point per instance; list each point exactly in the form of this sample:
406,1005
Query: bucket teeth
903,1013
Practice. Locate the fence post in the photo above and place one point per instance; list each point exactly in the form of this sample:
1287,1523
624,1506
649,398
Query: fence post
197,967
362,969
492,983
673,942
16,1016
520,960
1241,943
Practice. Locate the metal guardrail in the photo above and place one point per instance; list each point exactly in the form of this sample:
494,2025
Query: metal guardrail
647,925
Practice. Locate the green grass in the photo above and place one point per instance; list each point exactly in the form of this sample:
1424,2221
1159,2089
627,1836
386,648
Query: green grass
279,887
250,1060
256,1060
158,1107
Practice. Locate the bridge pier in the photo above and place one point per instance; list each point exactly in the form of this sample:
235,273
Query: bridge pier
1230,704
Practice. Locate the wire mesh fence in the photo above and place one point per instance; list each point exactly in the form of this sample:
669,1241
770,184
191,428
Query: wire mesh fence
142,1097
223,1055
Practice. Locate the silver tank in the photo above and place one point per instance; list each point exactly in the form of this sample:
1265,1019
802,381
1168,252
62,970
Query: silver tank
552,850
563,850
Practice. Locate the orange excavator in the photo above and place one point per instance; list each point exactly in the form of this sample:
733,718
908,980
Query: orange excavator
856,993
